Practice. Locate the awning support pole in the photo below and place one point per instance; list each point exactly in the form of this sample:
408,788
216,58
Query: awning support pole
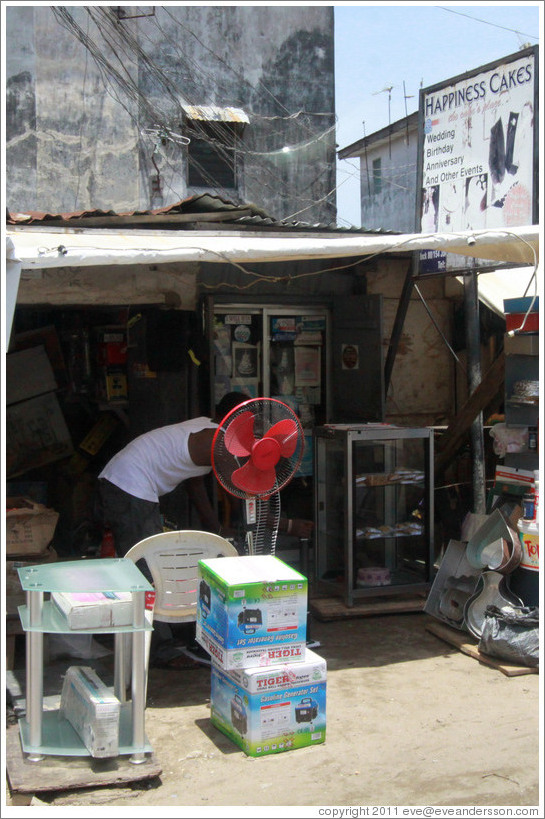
473,348
399,321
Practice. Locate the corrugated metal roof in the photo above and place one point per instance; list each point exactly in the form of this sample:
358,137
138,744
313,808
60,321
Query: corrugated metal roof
215,114
195,206
201,208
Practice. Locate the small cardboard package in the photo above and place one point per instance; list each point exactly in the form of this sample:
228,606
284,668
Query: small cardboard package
92,710
29,526
251,611
94,609
270,710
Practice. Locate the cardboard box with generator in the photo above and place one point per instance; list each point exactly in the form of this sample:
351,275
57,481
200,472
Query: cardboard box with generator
92,711
251,611
94,609
271,710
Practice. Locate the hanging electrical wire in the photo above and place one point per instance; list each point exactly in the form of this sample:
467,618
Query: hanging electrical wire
165,108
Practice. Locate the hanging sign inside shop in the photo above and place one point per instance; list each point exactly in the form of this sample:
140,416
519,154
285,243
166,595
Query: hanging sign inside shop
242,332
237,318
350,356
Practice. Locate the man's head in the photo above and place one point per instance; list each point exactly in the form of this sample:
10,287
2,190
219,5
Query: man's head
228,403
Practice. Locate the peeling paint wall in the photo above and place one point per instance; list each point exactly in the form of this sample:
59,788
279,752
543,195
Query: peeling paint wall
76,138
395,206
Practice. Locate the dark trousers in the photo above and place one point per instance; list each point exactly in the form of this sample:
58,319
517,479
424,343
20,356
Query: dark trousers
131,520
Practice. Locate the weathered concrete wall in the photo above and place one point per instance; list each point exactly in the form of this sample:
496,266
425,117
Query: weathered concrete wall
393,208
423,376
79,138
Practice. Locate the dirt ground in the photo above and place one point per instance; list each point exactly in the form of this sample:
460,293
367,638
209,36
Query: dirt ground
411,721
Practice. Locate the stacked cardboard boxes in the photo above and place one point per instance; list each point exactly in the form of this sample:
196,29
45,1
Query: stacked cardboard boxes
268,690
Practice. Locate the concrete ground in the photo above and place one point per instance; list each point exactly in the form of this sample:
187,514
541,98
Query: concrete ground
411,721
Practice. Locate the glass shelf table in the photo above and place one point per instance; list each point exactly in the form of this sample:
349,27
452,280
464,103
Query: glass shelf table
45,732
373,510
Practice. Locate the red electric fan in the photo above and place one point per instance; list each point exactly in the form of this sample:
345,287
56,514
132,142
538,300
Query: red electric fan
256,451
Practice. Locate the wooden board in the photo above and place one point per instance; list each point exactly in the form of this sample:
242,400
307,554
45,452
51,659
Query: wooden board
468,645
57,773
333,608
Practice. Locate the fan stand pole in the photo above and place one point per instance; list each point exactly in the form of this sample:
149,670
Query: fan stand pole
250,517
250,547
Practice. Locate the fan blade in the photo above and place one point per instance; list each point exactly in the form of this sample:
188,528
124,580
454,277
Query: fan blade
286,433
239,435
252,480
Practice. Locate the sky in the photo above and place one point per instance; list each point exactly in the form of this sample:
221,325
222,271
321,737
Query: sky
408,46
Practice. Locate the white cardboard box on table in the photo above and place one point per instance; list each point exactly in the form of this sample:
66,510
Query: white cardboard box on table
94,609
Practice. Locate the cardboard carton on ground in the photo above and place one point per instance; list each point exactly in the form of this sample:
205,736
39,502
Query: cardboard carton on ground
249,605
92,710
271,710
94,609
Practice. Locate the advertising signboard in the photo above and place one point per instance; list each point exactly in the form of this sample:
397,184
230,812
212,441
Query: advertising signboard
477,158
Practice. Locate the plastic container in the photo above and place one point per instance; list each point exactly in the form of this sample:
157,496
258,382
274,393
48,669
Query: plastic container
528,506
107,547
524,581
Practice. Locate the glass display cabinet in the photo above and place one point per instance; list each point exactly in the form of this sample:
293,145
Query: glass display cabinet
373,510
44,732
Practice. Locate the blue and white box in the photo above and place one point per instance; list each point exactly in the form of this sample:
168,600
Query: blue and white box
271,710
251,611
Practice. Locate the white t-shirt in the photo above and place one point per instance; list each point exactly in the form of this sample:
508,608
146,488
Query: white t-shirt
157,461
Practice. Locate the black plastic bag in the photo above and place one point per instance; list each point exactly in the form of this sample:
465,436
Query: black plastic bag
511,634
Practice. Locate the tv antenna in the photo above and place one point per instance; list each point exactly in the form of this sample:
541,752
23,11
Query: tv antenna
406,97
387,89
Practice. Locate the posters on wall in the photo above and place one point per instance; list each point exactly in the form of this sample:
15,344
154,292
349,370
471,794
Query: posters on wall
295,362
477,154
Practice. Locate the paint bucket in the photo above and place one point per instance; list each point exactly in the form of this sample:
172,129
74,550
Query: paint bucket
524,581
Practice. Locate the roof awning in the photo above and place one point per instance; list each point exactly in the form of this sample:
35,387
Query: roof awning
37,248
213,113
498,285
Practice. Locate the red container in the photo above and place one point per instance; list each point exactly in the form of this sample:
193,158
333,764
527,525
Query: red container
514,320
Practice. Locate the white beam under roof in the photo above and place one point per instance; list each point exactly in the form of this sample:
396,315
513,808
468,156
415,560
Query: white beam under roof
39,248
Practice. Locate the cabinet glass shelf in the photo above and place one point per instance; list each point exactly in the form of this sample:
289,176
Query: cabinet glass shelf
374,509
46,732
54,622
60,739
94,575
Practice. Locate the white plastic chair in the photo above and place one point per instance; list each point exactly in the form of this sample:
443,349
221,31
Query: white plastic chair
172,559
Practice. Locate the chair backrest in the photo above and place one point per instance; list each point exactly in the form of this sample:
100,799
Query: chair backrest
172,559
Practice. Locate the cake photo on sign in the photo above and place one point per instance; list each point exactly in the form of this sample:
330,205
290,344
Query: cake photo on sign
245,360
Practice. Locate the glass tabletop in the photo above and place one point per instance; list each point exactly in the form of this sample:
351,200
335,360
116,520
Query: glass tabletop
94,575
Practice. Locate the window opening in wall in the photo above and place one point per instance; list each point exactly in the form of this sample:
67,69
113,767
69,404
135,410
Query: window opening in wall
377,175
212,158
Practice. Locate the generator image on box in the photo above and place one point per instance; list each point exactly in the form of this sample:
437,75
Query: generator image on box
306,710
204,598
255,613
239,717
250,620
274,709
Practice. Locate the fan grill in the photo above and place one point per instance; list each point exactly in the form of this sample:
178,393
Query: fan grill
257,448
